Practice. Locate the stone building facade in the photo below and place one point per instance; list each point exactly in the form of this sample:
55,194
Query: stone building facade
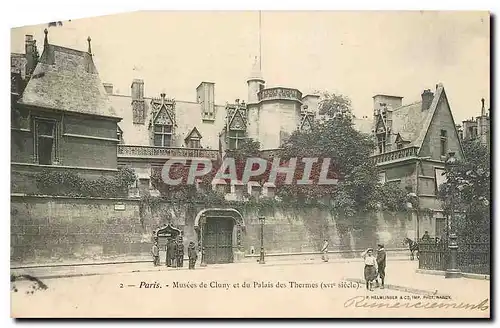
61,115
477,128
69,119
413,143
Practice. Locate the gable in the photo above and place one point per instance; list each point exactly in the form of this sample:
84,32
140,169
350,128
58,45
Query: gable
442,119
380,127
163,117
306,124
237,122
194,134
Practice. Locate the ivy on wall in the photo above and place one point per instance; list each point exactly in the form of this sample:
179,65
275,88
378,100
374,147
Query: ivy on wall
69,183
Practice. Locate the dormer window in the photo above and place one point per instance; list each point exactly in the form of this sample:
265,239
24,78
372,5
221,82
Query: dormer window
236,139
193,140
381,140
162,135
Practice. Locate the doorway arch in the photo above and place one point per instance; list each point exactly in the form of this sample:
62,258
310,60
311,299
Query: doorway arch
219,232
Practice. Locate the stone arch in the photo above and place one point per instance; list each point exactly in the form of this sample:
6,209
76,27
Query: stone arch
238,227
238,218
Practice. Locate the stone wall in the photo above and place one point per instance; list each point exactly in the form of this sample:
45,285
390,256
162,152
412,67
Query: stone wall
52,229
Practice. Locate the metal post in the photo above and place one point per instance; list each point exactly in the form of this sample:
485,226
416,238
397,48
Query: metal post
452,271
262,260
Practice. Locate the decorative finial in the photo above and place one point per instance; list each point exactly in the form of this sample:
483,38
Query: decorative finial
46,40
482,101
162,95
88,40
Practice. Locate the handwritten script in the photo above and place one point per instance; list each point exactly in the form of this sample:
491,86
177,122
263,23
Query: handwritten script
365,302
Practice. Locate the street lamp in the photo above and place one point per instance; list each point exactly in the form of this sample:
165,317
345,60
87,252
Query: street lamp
410,196
262,220
452,271
202,232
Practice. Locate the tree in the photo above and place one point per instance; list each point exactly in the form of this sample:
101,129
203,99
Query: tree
334,137
468,181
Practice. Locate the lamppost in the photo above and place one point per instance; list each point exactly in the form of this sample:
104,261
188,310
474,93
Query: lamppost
452,271
203,220
262,220
411,195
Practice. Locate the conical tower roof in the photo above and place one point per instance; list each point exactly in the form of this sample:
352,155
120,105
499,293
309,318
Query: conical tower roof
256,73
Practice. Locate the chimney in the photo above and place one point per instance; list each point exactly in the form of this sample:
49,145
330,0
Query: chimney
137,89
30,50
108,87
483,111
427,97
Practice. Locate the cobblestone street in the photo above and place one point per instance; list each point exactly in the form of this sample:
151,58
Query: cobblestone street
314,290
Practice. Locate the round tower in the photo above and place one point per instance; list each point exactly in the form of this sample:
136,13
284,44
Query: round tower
255,83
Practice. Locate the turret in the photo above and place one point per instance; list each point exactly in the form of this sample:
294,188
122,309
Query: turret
255,83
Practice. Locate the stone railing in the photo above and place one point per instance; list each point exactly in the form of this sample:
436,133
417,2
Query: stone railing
280,93
165,152
395,155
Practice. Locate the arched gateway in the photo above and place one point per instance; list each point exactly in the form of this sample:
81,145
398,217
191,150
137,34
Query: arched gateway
219,232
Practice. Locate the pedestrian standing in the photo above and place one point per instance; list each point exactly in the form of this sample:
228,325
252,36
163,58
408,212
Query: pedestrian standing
168,260
192,254
370,268
156,254
324,250
180,253
381,262
173,255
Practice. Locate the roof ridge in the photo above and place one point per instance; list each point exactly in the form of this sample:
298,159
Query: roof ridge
78,52
407,105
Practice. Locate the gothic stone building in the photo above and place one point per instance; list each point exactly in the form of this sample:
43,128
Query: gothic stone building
156,128
413,142
61,114
69,119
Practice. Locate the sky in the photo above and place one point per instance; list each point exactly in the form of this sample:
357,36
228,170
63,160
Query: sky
358,54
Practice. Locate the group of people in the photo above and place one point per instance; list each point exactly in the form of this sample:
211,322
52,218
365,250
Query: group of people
175,253
374,267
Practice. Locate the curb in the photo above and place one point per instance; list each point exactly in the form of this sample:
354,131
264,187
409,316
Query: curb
464,274
402,288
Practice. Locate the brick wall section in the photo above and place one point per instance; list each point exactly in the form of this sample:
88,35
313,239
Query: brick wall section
50,229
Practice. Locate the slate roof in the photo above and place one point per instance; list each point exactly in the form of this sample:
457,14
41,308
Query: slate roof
67,79
409,121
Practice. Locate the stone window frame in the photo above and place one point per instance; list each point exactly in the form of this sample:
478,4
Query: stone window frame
443,142
55,137
236,135
163,133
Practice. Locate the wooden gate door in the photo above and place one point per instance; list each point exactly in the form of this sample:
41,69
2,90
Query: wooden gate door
218,240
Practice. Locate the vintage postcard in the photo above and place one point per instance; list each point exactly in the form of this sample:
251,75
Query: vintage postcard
251,164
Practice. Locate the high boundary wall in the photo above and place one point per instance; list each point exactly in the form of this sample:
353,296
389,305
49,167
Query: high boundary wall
49,229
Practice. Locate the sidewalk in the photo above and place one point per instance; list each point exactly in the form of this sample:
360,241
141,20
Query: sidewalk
402,276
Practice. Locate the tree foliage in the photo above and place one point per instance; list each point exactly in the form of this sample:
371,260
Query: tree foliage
468,185
333,137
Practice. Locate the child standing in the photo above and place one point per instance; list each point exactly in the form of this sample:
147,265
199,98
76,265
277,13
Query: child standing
370,268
